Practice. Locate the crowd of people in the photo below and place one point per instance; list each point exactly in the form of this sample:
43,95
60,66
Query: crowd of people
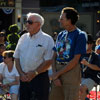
75,65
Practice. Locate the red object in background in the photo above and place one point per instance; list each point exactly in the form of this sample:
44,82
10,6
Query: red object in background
92,95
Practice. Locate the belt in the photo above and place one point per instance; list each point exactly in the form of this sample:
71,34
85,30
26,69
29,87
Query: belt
61,63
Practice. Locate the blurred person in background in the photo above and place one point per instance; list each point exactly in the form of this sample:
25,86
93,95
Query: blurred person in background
2,49
3,38
90,66
9,76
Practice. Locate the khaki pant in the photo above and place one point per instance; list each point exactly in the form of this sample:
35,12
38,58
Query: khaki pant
70,85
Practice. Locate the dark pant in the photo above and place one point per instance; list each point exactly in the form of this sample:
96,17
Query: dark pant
37,89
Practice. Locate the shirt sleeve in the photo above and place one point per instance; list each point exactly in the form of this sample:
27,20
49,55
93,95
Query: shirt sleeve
49,50
17,53
96,60
81,44
1,68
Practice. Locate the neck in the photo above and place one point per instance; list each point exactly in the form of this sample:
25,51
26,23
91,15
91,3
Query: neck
89,51
71,28
34,33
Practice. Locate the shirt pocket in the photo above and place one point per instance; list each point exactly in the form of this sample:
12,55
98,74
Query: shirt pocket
39,52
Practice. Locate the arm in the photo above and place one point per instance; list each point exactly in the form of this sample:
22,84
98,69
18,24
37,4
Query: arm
46,63
17,63
16,82
68,67
23,76
57,81
54,62
1,78
91,66
42,68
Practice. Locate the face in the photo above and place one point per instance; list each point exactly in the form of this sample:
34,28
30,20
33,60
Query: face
64,22
32,25
2,49
89,47
2,38
98,51
99,42
6,59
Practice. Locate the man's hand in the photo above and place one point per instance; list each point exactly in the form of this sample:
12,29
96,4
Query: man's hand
84,62
57,82
54,76
30,75
23,77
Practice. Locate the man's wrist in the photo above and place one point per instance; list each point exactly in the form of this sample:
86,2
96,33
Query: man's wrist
88,63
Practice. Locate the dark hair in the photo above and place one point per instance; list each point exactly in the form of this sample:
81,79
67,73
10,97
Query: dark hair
2,34
90,39
2,45
9,54
71,13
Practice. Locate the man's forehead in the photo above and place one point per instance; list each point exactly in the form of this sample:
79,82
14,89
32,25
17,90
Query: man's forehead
62,15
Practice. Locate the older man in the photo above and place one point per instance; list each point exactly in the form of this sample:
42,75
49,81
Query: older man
33,56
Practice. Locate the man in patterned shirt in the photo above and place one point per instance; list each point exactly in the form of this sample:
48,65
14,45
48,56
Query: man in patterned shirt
70,45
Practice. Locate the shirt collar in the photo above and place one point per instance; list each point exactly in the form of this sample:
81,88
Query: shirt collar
37,34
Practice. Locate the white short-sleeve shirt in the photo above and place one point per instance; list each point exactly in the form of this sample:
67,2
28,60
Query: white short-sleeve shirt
8,76
32,51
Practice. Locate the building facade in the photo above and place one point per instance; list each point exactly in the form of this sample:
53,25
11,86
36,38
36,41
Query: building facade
14,12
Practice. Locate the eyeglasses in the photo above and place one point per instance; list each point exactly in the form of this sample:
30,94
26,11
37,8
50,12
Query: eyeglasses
89,42
2,35
4,57
30,22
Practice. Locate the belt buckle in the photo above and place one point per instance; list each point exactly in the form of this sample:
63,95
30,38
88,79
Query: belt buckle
61,63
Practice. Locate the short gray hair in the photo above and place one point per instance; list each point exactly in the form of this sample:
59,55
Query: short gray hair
39,18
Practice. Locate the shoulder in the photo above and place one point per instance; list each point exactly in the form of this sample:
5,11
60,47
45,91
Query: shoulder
95,55
63,32
24,37
2,66
46,36
82,33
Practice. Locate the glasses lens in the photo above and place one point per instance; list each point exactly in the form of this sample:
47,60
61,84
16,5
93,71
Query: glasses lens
4,57
29,21
88,42
1,35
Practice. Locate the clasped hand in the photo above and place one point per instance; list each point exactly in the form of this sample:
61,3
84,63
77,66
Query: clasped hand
27,77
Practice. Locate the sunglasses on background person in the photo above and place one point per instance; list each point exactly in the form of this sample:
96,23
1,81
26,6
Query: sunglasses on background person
30,22
4,57
1,35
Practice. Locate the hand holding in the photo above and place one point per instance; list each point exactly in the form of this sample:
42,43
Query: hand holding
54,76
23,77
57,82
30,75
84,62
